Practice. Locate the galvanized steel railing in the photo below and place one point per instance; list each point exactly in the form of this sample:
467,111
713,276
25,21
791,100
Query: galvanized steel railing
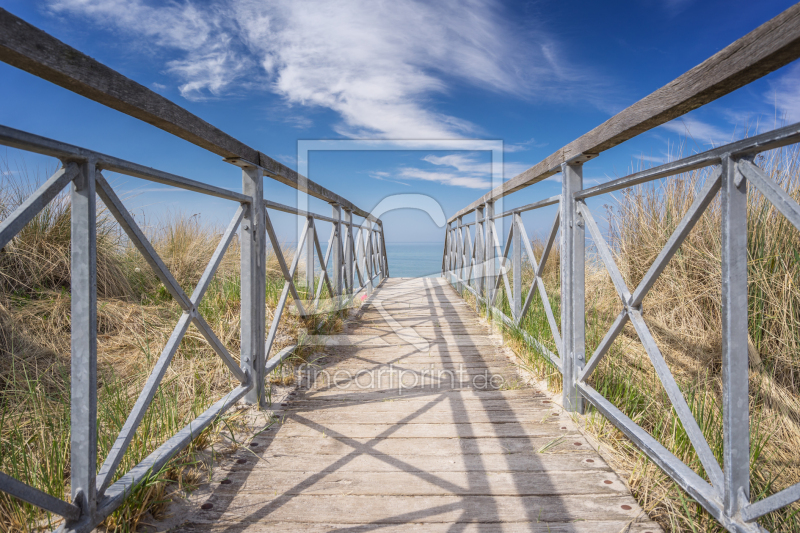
480,264
355,252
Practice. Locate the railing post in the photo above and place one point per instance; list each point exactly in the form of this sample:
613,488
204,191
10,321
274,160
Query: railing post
348,251
459,254
573,252
735,373
377,249
376,252
367,236
516,267
444,249
456,248
83,381
310,258
384,256
479,283
489,252
253,283
336,258
450,255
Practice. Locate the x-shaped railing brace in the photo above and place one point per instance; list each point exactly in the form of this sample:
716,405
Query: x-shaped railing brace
24,214
190,314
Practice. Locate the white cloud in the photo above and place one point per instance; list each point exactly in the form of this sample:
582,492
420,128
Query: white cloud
460,170
446,178
384,176
511,170
461,162
701,132
785,95
651,158
523,146
378,64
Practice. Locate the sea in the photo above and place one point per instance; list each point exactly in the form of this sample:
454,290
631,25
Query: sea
414,259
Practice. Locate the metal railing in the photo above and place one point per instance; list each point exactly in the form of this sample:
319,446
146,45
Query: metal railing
480,265
355,256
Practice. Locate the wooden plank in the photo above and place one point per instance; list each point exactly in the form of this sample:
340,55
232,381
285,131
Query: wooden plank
427,446
314,462
410,509
363,364
424,324
387,340
430,321
441,351
457,380
28,48
411,405
405,416
427,483
603,526
770,46
291,429
417,393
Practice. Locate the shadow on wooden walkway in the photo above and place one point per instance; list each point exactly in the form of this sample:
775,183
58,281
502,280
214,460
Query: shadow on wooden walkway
445,450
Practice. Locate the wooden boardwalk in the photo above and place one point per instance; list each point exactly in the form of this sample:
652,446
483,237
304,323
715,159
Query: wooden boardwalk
444,451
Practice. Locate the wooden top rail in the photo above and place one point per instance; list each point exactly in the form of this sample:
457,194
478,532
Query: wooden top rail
30,49
770,46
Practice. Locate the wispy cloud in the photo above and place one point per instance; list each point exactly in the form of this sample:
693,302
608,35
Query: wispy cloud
523,146
785,95
465,170
511,170
651,158
464,163
288,159
701,132
377,64
384,176
446,178
455,170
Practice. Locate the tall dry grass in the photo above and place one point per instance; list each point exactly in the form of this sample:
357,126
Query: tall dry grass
135,318
683,311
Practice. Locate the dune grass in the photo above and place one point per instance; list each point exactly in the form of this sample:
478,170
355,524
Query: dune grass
683,311
135,317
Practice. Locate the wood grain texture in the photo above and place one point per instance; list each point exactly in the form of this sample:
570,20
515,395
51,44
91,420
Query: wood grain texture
770,46
452,457
28,48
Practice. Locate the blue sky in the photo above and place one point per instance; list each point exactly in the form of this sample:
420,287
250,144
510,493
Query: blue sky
535,75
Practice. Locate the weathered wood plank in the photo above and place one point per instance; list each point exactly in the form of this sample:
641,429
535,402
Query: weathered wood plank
291,428
428,446
411,509
443,462
424,416
396,339
437,349
604,526
770,46
428,363
410,405
423,483
410,393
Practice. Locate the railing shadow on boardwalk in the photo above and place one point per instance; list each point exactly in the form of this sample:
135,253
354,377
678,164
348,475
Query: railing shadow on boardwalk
471,503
